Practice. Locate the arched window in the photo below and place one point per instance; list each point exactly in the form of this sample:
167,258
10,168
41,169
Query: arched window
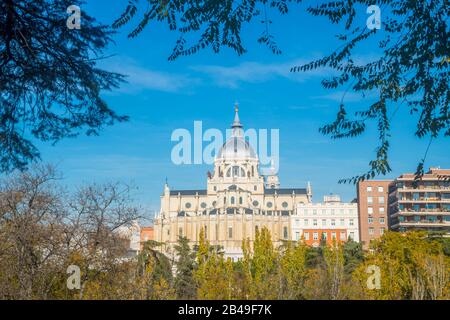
235,172
232,200
240,200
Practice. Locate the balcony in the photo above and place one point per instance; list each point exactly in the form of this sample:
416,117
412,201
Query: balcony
422,224
424,200
436,189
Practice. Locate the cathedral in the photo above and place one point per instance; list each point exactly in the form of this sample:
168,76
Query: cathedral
236,202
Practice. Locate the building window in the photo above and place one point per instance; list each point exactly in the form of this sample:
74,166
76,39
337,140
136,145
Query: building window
315,236
381,210
314,212
341,211
285,233
369,189
381,200
324,212
232,200
342,222
381,231
269,204
230,232
324,222
255,203
305,212
370,210
382,220
284,204
203,205
370,220
380,189
215,188
351,235
297,235
254,187
351,222
306,222
315,222
188,205
369,200
333,235
240,200
332,212
333,222
371,230
306,235
324,236
342,236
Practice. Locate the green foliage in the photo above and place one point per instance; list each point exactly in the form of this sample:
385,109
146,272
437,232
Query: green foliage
185,286
412,69
50,85
412,267
215,24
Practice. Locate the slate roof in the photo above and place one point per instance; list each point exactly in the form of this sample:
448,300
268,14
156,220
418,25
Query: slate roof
285,191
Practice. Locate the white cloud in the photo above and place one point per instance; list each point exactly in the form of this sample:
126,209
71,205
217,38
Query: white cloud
140,78
255,72
348,96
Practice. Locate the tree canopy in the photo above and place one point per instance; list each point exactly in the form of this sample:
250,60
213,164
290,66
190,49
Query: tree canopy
50,84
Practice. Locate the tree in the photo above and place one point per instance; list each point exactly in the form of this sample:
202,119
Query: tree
293,270
411,267
334,263
31,234
412,70
154,273
50,84
213,274
263,264
353,255
184,281
97,212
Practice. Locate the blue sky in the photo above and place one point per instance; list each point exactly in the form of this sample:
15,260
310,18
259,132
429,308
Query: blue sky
161,96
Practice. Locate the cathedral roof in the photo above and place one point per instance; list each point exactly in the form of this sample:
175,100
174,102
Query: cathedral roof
285,191
187,192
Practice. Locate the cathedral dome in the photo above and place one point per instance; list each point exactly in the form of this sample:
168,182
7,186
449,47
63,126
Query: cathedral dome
236,147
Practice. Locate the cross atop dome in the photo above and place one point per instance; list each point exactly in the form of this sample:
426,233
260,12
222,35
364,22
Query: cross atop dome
236,122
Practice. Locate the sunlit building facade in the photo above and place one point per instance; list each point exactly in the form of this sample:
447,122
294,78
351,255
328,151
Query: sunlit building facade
237,201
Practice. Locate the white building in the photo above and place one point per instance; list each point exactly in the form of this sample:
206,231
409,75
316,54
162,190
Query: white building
131,233
327,220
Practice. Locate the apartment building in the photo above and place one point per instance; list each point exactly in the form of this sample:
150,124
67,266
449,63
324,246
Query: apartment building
373,206
330,220
422,204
